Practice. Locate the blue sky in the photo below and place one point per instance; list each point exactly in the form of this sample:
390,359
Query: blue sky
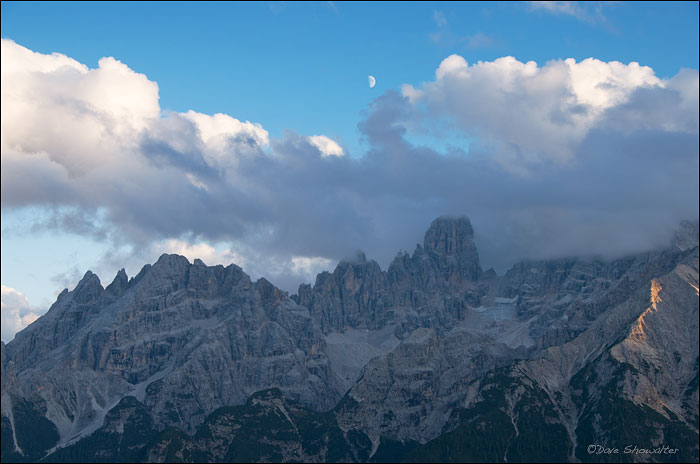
303,67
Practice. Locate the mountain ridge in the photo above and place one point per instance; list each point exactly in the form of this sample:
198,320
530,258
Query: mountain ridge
394,353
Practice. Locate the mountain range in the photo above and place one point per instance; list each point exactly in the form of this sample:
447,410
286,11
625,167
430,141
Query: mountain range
431,360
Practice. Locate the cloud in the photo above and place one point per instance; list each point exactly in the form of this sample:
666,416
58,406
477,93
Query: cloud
203,251
439,18
590,12
95,124
530,114
326,145
622,193
310,266
478,40
69,277
219,132
16,313
564,159
445,36
285,272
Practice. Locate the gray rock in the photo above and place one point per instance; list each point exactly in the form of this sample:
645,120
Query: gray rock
405,348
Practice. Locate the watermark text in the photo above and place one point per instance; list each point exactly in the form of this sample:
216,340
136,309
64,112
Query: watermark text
629,449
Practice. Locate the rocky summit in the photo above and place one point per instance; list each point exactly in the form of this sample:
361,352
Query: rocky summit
430,360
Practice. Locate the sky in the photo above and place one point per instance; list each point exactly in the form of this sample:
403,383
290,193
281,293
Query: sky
247,133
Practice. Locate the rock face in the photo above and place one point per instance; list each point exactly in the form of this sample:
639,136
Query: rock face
430,360
177,337
429,289
353,296
450,242
627,380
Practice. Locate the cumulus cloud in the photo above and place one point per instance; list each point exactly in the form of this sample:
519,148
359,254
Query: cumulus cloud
78,119
16,313
528,114
568,158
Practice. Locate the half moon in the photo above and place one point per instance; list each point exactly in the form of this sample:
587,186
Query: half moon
372,81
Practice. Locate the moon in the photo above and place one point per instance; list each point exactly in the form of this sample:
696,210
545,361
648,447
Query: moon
372,81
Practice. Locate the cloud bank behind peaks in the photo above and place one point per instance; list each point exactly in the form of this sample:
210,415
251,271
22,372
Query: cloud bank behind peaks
587,158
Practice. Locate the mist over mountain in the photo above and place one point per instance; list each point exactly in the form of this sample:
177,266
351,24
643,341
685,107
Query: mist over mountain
431,359
546,163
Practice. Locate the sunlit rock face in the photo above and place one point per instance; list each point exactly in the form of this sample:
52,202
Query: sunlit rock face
429,355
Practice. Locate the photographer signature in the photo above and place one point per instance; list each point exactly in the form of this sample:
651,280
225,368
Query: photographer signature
630,449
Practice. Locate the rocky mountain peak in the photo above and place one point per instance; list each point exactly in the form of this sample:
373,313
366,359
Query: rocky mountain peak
450,241
88,289
119,284
171,261
88,278
450,236
170,268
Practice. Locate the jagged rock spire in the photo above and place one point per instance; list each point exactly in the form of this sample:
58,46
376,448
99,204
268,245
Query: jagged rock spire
450,241
450,236
119,284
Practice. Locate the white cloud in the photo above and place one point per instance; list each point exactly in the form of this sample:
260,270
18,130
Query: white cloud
529,114
216,129
92,132
286,271
223,137
413,94
207,253
326,145
453,64
309,266
16,313
194,180
78,118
